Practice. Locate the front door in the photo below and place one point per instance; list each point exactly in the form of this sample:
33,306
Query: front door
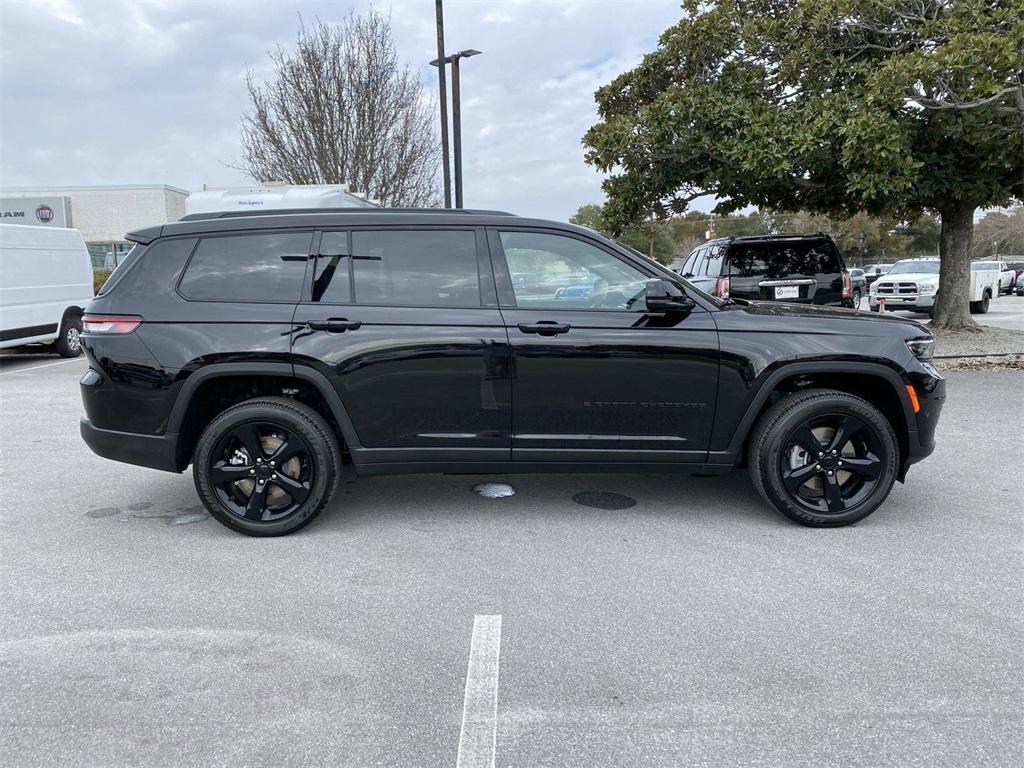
405,325
595,376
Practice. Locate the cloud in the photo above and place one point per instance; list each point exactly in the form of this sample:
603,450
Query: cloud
129,92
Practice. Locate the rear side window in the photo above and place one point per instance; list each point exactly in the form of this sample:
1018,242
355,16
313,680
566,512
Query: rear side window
157,269
713,268
416,268
778,259
123,266
268,266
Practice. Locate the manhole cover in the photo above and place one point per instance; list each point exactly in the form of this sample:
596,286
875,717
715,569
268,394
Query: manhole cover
494,490
604,500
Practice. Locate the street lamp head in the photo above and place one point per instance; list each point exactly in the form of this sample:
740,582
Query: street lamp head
456,56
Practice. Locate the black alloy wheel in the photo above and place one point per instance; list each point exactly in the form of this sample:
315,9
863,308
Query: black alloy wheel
823,458
261,471
830,463
266,467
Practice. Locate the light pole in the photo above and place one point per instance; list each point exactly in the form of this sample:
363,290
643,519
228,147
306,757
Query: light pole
456,114
439,15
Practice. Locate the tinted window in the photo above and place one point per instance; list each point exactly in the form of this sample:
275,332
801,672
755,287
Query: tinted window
713,268
691,260
269,266
157,269
122,267
331,282
699,262
559,272
778,259
420,268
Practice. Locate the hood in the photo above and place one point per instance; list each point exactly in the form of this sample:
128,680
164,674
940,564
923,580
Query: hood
909,277
813,312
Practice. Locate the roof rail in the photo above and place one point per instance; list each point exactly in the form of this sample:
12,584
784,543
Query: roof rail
781,236
372,211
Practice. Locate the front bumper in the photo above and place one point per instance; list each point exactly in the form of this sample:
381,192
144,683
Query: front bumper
930,386
922,302
154,451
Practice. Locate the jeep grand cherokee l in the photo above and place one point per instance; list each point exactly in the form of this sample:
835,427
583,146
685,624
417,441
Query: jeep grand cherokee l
268,350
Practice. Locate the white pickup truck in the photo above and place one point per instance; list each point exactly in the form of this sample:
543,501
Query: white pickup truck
912,284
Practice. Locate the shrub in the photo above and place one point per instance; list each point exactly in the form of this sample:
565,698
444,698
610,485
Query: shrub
99,277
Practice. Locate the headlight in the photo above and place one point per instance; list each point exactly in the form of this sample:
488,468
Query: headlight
928,287
921,348
873,288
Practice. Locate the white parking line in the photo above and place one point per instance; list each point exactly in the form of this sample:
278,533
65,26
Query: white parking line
44,365
477,741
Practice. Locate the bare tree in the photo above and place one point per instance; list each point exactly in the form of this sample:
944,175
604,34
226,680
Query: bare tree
342,109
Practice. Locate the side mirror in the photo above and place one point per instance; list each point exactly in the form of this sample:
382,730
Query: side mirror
663,296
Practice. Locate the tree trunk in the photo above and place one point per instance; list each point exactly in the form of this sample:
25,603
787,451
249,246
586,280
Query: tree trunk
952,304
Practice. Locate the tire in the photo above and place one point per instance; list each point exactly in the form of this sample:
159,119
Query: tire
776,445
856,298
981,307
69,342
251,496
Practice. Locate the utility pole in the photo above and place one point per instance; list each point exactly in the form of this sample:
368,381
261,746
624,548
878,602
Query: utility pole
443,90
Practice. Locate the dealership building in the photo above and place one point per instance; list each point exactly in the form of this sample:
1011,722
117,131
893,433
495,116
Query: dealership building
102,214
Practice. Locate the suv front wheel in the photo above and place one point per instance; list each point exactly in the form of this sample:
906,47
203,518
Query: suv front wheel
824,458
266,467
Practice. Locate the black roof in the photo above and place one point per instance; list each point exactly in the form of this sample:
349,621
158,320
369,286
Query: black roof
227,221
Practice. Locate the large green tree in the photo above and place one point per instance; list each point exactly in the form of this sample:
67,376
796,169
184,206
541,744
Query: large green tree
832,106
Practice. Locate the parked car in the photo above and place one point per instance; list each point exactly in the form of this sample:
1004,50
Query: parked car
858,286
266,350
1019,286
803,269
875,271
45,284
913,283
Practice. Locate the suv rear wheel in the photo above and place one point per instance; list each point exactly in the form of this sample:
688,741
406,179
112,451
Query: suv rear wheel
824,458
266,467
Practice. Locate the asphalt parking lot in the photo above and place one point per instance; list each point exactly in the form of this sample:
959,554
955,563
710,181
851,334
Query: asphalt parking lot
694,628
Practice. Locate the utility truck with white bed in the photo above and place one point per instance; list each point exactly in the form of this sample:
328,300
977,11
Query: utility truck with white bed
912,284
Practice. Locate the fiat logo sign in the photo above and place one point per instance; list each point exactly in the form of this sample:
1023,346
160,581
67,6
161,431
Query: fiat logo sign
44,213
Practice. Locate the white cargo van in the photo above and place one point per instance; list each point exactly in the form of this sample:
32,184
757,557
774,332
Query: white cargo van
45,284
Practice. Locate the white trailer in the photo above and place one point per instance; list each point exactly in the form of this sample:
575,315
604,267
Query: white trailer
274,197
45,285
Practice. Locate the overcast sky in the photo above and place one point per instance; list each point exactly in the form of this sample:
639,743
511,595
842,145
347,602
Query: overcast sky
96,92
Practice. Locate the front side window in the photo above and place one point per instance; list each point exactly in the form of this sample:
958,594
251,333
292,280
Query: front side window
559,272
418,268
268,266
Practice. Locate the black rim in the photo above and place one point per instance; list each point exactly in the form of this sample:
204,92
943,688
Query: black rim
830,464
261,472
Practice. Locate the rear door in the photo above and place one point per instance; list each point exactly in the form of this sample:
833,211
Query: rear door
799,270
404,323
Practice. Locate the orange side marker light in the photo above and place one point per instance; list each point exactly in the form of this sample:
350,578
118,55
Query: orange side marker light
913,398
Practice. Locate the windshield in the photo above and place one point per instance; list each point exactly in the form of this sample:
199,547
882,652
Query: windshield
914,267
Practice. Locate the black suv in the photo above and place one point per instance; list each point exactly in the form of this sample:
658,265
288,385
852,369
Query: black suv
803,269
269,350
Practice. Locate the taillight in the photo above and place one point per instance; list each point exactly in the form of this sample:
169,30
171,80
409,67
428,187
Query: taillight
722,288
110,323
847,286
